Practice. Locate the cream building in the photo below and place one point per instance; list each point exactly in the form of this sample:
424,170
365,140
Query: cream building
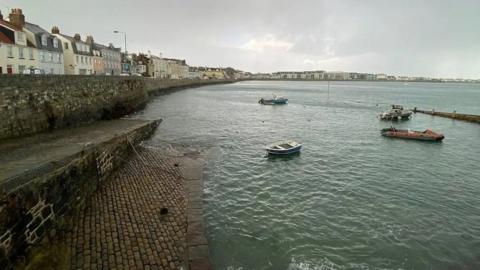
177,69
77,54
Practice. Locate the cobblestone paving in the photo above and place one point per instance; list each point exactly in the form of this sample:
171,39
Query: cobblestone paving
122,226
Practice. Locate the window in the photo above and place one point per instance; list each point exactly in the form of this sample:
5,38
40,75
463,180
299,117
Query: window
77,60
55,43
44,40
50,57
10,51
65,45
20,37
21,69
30,53
20,53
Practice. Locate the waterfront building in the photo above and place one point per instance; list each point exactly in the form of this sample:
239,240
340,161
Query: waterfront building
157,67
111,57
381,76
77,54
97,56
49,48
194,73
16,53
177,69
215,73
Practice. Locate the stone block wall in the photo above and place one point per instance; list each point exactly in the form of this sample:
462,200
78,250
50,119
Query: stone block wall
32,104
160,86
33,208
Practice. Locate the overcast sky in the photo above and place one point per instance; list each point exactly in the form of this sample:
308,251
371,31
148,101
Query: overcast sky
417,38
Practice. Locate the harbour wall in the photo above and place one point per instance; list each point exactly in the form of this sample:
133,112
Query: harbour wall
453,115
35,104
36,204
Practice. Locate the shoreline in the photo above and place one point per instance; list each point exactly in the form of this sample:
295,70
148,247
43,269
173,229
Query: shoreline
374,81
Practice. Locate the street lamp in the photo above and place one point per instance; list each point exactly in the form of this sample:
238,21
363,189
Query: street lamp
125,36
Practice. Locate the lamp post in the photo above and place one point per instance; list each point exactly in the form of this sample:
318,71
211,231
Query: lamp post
125,36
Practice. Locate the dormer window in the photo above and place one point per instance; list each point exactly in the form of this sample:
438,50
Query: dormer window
20,37
55,43
44,40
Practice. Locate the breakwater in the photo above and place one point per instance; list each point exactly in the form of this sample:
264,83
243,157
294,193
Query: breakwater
35,104
453,115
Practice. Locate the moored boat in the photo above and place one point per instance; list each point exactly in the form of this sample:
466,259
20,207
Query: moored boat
273,101
283,148
395,113
427,135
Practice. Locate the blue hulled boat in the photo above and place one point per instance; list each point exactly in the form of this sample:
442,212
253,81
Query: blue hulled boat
274,101
284,148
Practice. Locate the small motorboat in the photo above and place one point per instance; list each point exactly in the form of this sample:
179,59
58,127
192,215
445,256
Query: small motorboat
427,135
273,101
284,148
395,113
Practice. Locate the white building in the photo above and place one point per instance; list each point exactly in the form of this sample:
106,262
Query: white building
49,47
77,54
15,54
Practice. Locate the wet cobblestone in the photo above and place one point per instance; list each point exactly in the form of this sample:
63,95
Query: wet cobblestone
122,226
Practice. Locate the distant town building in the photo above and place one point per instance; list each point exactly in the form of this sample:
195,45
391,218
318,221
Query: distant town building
78,56
98,63
381,76
176,69
213,74
194,73
111,58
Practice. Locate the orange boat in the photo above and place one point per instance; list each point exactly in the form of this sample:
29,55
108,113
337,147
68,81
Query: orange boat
427,135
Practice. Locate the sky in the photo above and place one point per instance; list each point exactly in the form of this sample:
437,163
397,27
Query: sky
438,39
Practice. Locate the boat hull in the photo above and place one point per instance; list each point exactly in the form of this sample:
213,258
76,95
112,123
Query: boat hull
413,135
273,101
290,151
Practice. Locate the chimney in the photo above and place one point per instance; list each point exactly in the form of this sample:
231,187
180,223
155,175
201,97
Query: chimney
17,18
55,30
89,40
77,37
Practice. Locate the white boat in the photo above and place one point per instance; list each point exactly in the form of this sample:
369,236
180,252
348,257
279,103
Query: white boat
283,148
397,112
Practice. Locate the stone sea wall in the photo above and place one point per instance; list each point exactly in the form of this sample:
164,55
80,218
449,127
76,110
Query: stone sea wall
36,209
34,104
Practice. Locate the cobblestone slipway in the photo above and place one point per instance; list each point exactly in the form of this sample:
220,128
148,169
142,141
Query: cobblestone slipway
123,226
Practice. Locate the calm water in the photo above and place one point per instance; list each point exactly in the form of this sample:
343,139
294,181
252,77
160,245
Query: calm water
352,199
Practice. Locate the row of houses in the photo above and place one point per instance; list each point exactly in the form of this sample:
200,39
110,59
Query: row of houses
317,75
346,76
26,47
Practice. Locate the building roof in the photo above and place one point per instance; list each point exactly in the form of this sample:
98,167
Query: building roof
9,25
38,32
74,45
5,39
101,46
